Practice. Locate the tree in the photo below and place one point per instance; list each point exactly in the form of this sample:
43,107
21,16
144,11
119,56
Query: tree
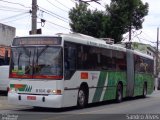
86,21
120,17
126,15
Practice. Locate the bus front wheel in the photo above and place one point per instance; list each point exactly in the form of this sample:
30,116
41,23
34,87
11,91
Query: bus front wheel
82,98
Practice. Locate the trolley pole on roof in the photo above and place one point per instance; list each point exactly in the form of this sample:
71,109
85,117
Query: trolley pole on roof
34,17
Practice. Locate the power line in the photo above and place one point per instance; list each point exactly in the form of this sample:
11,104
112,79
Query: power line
98,3
139,39
2,9
73,1
62,4
54,27
87,2
58,25
56,6
43,9
14,3
148,35
146,40
125,37
12,8
53,14
55,24
13,16
16,19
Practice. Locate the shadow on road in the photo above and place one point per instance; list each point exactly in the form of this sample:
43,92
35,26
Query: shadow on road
60,110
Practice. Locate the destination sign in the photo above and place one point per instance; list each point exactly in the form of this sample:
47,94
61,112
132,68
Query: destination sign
36,41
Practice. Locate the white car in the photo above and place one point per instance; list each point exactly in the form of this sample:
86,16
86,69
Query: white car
4,77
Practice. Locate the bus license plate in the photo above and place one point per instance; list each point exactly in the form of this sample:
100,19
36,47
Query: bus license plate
31,97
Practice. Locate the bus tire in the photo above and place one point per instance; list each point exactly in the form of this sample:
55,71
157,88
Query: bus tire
82,98
119,93
144,90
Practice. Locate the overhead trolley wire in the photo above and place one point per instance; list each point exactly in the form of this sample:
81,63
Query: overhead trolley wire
56,6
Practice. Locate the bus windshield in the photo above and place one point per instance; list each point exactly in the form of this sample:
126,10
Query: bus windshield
36,62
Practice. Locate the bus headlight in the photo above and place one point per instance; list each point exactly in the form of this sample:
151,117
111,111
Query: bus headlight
57,92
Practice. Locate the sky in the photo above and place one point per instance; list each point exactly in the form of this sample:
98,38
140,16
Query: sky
16,13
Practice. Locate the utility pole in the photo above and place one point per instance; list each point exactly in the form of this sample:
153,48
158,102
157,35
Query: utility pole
130,22
34,17
157,52
130,33
130,37
156,64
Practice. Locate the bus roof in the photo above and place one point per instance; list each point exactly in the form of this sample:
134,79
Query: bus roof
88,40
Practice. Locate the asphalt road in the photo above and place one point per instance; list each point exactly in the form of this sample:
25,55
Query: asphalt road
129,109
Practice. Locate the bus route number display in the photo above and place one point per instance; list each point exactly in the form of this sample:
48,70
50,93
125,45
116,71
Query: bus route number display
37,41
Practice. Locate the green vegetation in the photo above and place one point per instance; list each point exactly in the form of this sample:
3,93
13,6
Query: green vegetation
120,16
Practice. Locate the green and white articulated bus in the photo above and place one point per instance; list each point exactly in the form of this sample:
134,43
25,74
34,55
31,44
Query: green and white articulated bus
74,69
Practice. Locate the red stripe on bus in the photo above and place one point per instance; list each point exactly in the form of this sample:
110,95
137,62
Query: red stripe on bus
19,76
35,76
47,77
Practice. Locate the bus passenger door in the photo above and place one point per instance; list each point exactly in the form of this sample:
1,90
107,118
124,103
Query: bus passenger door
130,73
70,88
69,60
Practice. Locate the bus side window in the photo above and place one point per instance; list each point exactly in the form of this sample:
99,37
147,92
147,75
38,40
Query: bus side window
69,60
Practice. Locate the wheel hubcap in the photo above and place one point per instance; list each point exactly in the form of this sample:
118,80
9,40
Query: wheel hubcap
145,92
81,97
119,95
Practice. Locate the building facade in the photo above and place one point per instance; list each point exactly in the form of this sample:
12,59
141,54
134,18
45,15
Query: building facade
7,33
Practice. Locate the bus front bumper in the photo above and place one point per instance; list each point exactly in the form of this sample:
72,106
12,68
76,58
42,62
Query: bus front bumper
50,101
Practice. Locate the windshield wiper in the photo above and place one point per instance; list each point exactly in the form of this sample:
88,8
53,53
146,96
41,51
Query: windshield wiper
44,49
28,53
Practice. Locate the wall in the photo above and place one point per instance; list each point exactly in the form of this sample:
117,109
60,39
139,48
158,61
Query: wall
7,33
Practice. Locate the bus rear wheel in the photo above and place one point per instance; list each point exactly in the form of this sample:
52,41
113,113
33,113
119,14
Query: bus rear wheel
119,95
82,98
